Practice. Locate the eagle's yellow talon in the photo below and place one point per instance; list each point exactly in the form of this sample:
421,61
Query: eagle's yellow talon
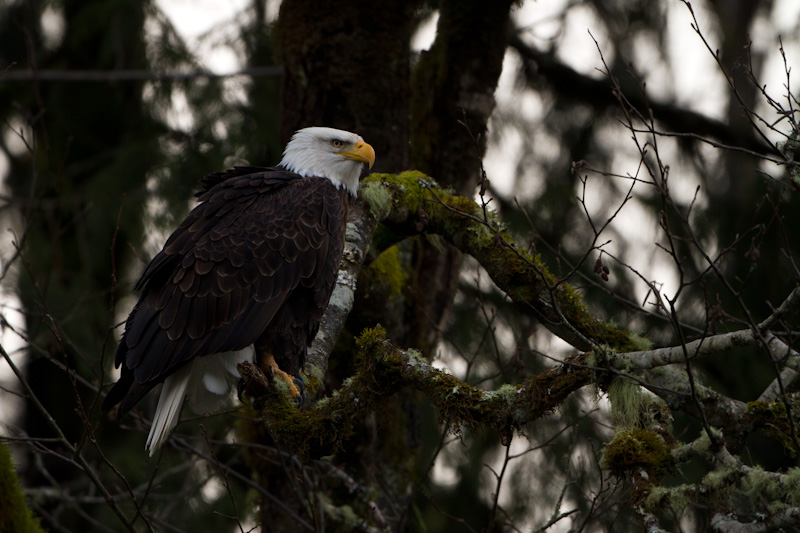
287,378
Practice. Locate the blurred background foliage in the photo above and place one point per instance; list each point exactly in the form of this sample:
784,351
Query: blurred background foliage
95,172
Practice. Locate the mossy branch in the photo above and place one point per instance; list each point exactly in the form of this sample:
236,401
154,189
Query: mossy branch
409,203
382,370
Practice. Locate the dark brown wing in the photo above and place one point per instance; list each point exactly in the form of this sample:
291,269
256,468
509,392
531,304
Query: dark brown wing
257,236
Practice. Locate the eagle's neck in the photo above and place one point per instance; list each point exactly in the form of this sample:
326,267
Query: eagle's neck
309,163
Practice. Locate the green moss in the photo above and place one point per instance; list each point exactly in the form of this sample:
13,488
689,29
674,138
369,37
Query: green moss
758,485
775,507
656,498
388,272
792,486
281,386
323,429
634,450
481,232
308,433
381,369
458,405
371,336
16,516
410,183
314,380
322,402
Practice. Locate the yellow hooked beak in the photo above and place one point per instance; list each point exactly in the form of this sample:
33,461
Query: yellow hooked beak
362,152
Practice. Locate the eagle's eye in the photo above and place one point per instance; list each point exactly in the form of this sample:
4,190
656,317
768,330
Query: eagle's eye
336,143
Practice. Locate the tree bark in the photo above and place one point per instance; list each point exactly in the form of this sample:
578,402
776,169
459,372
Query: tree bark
346,65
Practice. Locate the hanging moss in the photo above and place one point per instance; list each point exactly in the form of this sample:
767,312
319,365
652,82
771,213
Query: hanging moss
634,407
627,402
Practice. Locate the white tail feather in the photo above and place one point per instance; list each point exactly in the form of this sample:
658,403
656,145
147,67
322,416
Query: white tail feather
213,378
206,380
168,409
215,384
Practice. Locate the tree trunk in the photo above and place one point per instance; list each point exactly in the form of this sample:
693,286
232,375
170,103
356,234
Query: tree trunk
346,66
453,98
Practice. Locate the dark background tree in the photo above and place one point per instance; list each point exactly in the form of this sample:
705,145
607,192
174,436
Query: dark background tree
619,186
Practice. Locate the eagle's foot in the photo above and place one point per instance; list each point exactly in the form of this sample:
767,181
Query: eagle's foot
297,388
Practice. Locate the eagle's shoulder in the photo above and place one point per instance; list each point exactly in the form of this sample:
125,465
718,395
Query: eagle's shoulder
243,176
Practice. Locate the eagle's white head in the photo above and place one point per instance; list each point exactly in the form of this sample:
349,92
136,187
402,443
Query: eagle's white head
328,153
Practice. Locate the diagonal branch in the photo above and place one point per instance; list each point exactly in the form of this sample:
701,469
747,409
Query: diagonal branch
411,203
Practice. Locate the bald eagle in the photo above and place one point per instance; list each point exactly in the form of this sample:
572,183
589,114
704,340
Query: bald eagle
246,276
